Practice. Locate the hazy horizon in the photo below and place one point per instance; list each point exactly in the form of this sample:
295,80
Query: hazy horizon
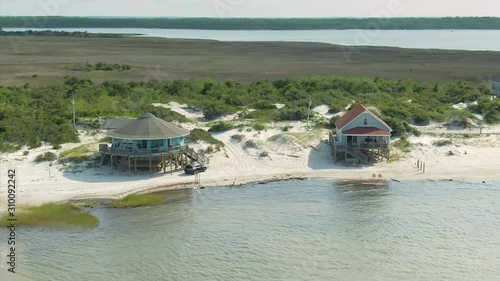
250,8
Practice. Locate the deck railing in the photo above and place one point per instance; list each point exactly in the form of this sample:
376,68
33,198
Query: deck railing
150,151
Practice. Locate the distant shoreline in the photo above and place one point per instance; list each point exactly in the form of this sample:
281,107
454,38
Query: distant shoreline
392,23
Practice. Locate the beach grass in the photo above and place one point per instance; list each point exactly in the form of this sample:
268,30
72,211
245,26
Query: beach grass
80,153
307,137
138,200
53,215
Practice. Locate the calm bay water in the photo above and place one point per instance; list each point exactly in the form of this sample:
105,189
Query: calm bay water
299,230
422,39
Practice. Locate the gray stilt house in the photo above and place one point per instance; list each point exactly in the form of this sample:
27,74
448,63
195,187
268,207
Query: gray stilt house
148,142
361,137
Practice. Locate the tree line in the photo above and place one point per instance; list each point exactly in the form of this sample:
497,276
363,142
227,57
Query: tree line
254,23
31,115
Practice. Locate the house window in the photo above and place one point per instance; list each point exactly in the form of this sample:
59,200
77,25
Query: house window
142,144
365,121
157,143
352,139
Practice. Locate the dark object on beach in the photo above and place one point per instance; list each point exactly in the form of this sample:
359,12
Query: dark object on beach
195,168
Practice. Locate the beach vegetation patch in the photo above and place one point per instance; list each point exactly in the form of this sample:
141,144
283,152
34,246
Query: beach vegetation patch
259,127
80,153
442,142
403,143
238,137
306,138
138,200
221,126
46,157
202,135
54,215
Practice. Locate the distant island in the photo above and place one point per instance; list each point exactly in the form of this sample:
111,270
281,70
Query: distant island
62,33
254,23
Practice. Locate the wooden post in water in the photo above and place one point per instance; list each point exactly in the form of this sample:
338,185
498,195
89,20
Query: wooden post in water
424,168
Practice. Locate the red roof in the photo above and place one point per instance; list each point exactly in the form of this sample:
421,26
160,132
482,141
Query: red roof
349,116
353,114
366,131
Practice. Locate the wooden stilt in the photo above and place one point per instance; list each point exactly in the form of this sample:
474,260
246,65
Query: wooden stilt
111,162
129,164
135,164
164,158
150,168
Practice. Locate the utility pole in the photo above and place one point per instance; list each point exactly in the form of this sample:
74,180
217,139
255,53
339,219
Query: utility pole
74,112
308,112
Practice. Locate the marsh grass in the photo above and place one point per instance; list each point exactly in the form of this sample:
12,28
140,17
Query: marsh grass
138,200
53,215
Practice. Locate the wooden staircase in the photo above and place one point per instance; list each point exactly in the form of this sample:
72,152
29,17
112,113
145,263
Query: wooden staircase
357,154
196,157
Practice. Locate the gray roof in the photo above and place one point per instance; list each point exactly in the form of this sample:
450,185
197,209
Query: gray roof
496,78
148,127
117,123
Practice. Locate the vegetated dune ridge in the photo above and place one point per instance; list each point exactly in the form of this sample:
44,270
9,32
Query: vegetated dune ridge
258,157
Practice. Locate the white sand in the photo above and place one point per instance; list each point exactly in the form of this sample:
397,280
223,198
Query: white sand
288,157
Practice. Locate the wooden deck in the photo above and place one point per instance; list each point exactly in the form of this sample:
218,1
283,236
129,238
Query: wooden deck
155,158
359,152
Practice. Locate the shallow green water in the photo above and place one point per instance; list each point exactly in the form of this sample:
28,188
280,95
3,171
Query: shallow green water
299,230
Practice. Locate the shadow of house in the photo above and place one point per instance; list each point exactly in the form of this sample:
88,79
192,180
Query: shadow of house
320,157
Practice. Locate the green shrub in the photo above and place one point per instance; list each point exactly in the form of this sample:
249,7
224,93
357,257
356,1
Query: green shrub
26,152
8,147
200,134
46,157
105,140
291,114
238,138
53,215
250,144
138,200
221,126
442,142
263,104
264,154
259,127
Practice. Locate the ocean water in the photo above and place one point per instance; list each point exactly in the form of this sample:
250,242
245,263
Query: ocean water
422,39
292,230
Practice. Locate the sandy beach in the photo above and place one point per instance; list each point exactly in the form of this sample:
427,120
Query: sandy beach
297,153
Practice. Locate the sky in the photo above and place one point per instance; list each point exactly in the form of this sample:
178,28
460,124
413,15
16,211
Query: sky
251,8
